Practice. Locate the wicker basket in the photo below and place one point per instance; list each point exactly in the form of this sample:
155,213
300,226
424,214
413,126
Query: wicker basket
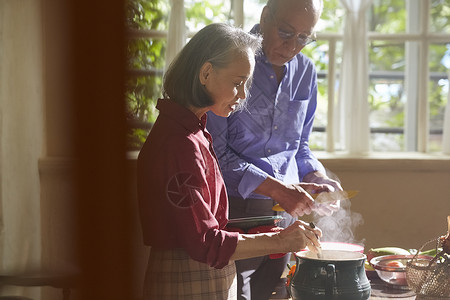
429,278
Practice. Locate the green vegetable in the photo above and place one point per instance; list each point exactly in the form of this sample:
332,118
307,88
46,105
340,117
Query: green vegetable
374,252
431,252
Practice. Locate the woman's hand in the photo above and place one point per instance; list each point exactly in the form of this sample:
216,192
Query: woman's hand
300,235
294,238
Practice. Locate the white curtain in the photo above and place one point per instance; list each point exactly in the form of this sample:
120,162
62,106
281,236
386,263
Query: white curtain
21,137
353,108
446,133
238,13
176,37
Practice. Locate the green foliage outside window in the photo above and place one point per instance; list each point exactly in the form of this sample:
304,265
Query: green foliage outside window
144,55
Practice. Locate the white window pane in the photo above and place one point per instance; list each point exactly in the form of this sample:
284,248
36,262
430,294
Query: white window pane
387,95
146,14
440,14
255,7
333,16
319,53
201,13
437,93
387,16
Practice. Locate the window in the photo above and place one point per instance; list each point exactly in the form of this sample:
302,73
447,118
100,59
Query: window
408,52
406,115
147,23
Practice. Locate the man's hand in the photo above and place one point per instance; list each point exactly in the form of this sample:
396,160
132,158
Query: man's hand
295,199
320,178
324,209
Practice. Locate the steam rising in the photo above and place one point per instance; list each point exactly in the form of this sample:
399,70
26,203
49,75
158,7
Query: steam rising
340,226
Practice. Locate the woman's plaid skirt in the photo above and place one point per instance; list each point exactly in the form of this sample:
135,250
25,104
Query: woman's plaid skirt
172,274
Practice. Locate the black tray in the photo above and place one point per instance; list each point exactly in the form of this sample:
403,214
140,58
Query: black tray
250,222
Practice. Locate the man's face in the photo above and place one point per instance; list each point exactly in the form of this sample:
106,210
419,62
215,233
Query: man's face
287,29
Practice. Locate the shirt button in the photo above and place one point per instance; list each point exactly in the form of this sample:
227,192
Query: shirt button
268,150
275,127
271,76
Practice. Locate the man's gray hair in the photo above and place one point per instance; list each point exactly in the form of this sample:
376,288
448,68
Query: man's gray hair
273,4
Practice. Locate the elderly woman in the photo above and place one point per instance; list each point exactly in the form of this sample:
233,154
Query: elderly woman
182,199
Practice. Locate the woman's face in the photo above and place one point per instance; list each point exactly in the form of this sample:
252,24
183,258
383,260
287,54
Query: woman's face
226,86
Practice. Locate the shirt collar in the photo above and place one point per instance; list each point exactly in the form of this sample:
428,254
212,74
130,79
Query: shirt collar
181,115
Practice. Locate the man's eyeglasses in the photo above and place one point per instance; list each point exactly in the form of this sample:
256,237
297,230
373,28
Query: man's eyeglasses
302,40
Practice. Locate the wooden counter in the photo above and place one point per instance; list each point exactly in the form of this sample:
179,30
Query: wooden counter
381,290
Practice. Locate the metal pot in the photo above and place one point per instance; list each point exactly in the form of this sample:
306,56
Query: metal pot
336,275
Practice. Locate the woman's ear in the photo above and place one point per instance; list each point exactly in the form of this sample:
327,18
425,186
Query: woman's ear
205,72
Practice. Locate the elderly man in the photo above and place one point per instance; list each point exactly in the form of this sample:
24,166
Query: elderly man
263,150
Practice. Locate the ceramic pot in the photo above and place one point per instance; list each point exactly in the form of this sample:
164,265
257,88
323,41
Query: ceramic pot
336,275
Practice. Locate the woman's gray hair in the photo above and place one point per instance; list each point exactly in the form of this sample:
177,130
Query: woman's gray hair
218,44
